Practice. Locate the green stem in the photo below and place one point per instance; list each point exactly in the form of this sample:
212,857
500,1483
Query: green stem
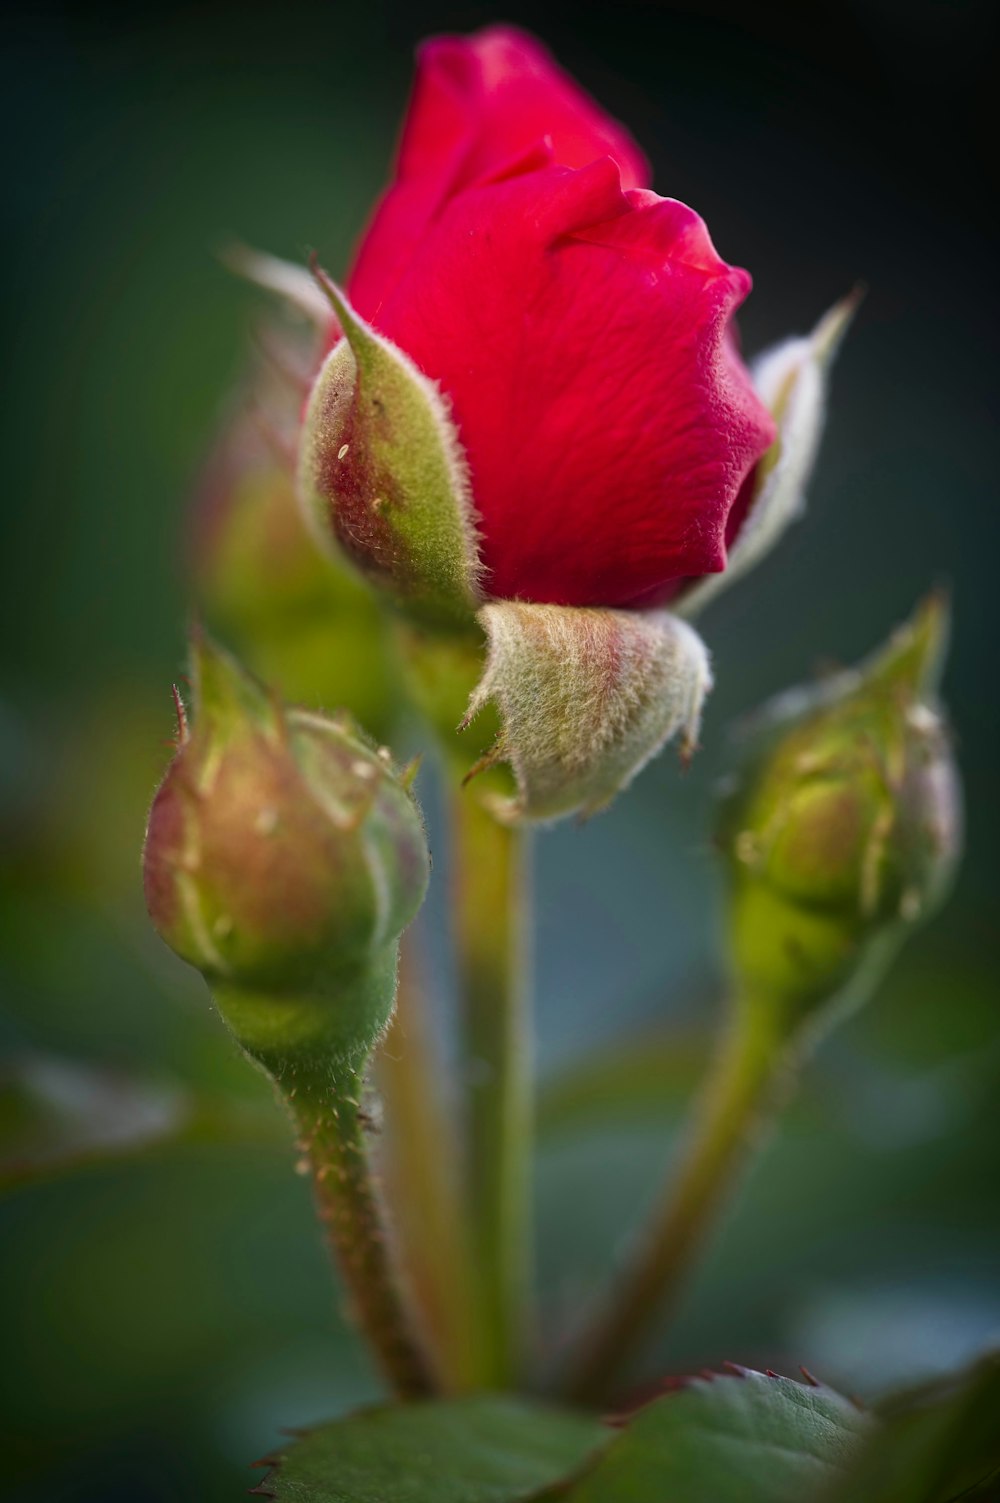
326,1107
734,1106
420,1162
490,904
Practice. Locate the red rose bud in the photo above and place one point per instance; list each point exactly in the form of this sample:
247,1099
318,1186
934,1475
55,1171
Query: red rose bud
534,396
283,859
525,308
844,832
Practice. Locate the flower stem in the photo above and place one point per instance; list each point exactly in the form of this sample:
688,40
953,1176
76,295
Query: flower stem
326,1107
736,1102
420,1162
490,878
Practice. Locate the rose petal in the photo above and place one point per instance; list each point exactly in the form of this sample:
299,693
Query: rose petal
582,336
479,103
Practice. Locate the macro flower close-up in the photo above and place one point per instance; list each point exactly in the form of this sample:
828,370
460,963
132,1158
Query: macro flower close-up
497,784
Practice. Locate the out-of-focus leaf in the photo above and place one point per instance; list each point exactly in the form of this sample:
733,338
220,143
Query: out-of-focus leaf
487,1449
937,1444
57,1116
746,1438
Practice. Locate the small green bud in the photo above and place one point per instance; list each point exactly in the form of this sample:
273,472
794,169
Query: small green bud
283,859
845,828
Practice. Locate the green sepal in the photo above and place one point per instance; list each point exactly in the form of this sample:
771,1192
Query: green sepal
382,472
585,697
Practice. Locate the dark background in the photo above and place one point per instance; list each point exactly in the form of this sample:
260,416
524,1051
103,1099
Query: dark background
163,1316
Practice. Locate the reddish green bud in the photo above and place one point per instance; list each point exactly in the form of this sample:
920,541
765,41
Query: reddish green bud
845,829
283,859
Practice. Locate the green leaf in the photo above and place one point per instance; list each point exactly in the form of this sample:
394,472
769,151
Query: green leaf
937,1444
486,1449
738,1439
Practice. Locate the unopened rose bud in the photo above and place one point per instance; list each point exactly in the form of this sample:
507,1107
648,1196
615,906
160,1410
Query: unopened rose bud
845,830
283,859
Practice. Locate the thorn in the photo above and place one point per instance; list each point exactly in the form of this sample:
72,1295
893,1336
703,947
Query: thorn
770,1373
735,1369
812,1381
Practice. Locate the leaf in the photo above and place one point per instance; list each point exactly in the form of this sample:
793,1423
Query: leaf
586,697
485,1449
938,1444
749,1438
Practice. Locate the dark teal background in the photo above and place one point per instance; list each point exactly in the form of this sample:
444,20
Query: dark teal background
163,1318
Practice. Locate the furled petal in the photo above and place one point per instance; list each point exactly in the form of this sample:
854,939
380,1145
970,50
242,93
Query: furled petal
581,334
480,103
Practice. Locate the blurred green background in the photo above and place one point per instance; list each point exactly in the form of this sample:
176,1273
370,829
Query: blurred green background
165,1313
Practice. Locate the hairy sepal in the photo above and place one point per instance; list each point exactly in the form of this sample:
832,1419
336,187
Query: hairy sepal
586,697
793,380
382,472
